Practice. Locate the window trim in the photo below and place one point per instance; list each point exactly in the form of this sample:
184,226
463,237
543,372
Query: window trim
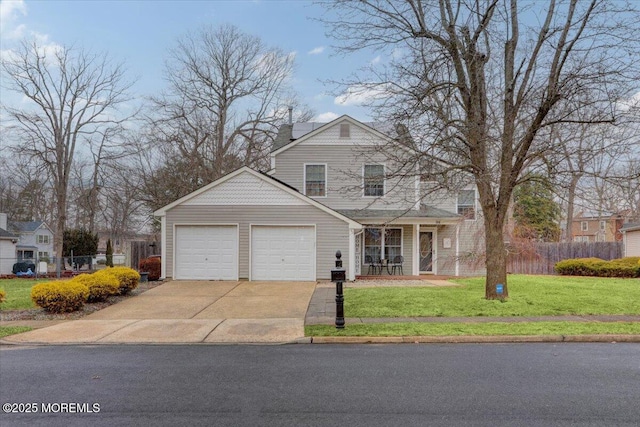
326,180
603,225
48,239
584,226
475,204
382,246
384,179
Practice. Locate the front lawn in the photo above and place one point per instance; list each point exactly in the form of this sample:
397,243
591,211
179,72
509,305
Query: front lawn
18,293
11,330
403,329
528,296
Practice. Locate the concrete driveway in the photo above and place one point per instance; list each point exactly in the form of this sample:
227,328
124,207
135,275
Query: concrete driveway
191,312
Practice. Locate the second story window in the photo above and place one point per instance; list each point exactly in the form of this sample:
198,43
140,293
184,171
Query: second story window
315,180
603,225
43,239
467,204
374,180
584,226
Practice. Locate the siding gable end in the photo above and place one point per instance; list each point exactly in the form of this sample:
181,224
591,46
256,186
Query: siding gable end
244,189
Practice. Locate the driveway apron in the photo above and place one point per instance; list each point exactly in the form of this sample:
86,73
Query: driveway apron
191,312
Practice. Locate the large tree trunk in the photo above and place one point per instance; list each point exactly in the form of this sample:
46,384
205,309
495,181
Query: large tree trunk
568,235
496,259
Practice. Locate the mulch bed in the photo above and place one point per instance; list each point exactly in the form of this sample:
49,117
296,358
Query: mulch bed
40,314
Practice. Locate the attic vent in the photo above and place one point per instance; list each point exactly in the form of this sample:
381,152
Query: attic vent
345,130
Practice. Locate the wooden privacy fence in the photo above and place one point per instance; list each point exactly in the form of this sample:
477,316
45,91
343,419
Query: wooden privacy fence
141,250
540,258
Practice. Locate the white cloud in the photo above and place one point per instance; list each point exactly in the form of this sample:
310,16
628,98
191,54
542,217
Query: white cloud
316,51
376,60
629,104
360,95
10,12
326,117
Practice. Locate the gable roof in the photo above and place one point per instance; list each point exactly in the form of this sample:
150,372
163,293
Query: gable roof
313,129
25,226
276,184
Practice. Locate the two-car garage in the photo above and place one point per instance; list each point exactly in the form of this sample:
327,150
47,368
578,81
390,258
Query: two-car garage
211,252
248,225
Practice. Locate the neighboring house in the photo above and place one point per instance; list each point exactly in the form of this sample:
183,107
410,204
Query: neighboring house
631,239
602,228
8,243
35,240
328,189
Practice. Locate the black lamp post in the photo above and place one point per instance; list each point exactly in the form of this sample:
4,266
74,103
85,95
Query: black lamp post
338,276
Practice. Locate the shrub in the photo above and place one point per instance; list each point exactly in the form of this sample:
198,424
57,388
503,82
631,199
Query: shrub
60,296
3,296
623,267
127,277
101,286
153,266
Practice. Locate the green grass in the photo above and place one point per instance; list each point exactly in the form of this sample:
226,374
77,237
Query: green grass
18,293
11,330
458,329
528,296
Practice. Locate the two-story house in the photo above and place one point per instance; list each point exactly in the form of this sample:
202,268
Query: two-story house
329,188
597,228
35,240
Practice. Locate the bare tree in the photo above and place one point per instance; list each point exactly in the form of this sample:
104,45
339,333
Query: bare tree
73,95
478,82
227,94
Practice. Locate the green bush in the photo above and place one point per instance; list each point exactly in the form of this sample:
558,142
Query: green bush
60,296
623,267
151,265
101,286
127,277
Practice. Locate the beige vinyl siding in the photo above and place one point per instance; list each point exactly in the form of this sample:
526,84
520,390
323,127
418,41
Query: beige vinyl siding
332,234
345,164
632,243
407,249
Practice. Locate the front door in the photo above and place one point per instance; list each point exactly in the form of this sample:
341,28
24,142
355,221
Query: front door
426,252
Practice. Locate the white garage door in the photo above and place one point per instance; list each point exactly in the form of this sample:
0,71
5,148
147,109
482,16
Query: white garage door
206,252
283,253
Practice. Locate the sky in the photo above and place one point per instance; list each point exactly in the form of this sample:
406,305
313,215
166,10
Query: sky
139,34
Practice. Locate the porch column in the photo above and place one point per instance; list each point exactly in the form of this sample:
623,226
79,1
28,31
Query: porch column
415,254
163,247
351,275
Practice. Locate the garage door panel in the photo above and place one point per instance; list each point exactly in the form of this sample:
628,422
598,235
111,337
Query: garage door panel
283,253
206,252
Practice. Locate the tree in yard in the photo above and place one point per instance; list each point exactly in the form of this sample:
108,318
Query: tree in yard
80,243
227,93
479,83
72,97
536,213
109,254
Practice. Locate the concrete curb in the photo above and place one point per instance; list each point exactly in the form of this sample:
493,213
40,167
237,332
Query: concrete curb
477,339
